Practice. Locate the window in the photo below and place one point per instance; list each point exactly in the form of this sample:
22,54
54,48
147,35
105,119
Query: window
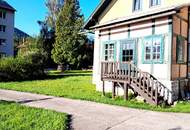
2,41
127,55
2,28
2,14
155,2
137,5
127,50
2,54
153,49
180,49
109,54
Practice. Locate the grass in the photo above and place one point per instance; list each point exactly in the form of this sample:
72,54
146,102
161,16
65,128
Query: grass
78,85
16,117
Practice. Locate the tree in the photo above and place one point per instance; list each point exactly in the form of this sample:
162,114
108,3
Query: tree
45,42
54,7
69,41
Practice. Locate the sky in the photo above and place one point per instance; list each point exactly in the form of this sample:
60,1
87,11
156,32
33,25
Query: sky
28,12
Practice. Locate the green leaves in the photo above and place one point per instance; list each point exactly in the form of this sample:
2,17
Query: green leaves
69,41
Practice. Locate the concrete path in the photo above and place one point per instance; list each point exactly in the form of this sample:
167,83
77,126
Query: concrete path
94,116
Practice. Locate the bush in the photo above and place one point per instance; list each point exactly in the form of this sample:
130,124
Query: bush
27,67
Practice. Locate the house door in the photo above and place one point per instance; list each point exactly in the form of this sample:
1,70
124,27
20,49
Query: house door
128,51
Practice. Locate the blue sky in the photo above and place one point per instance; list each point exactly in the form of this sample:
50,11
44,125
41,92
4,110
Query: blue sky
30,11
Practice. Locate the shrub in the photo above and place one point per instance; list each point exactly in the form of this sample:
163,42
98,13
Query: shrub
27,67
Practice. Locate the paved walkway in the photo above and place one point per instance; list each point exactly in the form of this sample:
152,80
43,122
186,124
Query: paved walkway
94,116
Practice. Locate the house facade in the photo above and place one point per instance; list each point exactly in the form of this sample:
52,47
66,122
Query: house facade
142,45
6,29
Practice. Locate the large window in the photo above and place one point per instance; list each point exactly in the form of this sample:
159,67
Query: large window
2,14
153,49
2,41
2,28
155,2
2,54
137,5
180,49
109,51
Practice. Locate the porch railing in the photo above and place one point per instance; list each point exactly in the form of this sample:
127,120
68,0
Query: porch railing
145,83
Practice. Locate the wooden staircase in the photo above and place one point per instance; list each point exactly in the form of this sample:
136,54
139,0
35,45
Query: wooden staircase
129,76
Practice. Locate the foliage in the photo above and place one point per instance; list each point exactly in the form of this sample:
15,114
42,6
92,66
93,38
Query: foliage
87,60
45,42
16,117
54,7
78,85
25,67
29,45
68,48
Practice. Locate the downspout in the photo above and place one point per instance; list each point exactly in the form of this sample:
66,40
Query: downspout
188,42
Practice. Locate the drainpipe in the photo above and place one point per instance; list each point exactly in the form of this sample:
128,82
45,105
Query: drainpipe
188,41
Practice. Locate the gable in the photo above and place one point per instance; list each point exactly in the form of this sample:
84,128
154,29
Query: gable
123,8
116,9
110,10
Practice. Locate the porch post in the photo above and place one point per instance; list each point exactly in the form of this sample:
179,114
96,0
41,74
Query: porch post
103,89
113,90
126,87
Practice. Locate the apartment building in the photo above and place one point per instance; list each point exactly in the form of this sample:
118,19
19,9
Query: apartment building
6,29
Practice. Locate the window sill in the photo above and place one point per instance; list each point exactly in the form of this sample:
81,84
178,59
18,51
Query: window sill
154,6
153,62
137,11
181,62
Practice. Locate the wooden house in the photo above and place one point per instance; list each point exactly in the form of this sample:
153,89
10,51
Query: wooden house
142,45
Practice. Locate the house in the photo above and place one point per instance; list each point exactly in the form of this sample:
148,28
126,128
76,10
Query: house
6,29
142,45
19,36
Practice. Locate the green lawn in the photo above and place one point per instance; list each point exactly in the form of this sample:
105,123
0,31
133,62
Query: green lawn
16,117
78,85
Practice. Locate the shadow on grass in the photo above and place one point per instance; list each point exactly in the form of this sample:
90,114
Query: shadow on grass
51,77
69,122
65,75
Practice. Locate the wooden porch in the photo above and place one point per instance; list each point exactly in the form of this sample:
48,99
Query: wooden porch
128,76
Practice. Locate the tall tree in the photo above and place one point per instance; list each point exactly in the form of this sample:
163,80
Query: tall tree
54,7
69,41
45,42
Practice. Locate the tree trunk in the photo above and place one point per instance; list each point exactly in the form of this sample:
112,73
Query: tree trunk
60,68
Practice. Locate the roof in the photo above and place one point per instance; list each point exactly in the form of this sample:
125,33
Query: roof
93,18
20,34
5,5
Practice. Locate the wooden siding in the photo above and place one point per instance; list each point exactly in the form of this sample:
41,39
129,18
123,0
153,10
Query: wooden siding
180,27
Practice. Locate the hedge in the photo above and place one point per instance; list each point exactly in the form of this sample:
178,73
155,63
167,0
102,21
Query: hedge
22,68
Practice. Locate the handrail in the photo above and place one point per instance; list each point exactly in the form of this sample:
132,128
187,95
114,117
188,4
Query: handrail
127,71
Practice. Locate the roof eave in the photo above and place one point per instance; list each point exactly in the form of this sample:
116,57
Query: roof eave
92,19
136,19
10,9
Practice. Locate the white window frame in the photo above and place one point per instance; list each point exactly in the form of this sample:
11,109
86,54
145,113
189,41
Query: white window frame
2,28
155,3
109,49
3,14
137,7
3,42
151,43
